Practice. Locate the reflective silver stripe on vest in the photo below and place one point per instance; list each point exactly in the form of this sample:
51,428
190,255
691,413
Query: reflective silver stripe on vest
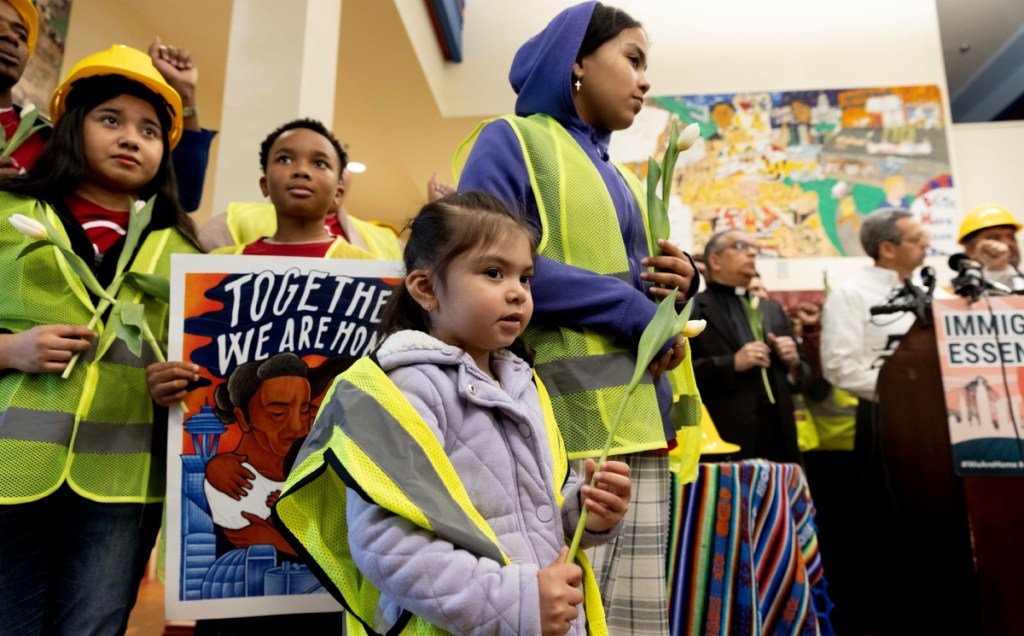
106,438
625,277
397,453
37,426
589,373
118,353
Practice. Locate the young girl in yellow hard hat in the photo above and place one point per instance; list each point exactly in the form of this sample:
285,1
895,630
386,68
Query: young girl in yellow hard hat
81,483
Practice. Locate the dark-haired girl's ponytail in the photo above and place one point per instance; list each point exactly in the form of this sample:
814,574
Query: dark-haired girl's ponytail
403,312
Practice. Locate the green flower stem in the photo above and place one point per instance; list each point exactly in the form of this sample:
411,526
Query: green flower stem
17,140
767,386
663,325
147,333
101,308
582,525
138,220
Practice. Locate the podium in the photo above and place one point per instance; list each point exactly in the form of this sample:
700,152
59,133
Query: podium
961,535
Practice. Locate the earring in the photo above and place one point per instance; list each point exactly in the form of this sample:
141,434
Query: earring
429,307
578,84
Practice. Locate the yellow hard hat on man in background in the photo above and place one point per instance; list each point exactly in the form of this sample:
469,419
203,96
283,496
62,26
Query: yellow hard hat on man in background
986,216
130,63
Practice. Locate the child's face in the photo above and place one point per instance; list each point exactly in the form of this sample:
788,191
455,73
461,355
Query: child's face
123,144
302,174
486,303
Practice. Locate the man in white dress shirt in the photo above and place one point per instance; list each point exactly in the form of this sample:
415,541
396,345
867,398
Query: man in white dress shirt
850,489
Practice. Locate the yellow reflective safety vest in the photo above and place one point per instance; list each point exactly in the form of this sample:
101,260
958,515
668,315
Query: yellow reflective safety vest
835,420
367,419
585,371
249,222
93,430
806,432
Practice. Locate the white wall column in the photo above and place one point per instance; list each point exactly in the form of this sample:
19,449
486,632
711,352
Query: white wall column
282,64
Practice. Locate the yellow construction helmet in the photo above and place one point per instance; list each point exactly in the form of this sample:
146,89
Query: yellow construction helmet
985,216
711,442
130,63
30,17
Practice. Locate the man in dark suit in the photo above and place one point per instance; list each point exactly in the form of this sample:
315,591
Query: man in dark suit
747,359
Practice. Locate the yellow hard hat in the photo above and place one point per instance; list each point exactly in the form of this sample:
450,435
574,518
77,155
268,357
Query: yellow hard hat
985,216
132,64
30,17
711,442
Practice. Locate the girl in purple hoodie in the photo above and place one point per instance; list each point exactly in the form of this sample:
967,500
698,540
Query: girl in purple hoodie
578,80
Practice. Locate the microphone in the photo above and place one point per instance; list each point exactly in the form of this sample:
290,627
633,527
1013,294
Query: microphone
970,281
890,308
908,297
901,298
928,279
956,261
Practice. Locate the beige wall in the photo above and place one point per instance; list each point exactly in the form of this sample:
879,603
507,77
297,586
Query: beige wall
988,164
282,65
403,110
387,115
704,47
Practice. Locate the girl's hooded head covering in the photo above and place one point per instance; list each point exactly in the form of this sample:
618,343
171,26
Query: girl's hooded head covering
541,72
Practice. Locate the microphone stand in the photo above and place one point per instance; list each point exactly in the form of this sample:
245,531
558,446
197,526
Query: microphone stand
911,298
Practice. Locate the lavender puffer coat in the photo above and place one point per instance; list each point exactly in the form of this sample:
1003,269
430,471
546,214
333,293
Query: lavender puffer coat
494,436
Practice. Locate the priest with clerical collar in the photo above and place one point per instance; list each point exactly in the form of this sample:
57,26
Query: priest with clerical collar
747,360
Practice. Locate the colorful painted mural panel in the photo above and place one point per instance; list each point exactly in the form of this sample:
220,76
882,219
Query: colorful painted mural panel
801,169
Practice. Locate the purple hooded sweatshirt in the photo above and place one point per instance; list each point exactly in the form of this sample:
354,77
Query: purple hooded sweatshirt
541,75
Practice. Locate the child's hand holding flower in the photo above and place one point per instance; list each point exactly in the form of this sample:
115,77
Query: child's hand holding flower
45,348
558,586
606,494
127,318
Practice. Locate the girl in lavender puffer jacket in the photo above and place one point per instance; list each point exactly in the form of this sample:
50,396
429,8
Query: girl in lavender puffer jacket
463,303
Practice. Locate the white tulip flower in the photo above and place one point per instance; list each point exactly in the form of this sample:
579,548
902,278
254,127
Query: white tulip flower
28,226
694,328
688,137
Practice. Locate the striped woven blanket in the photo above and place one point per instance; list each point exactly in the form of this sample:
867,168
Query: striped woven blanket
743,553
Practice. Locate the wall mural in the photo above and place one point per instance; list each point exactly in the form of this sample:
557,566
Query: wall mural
801,169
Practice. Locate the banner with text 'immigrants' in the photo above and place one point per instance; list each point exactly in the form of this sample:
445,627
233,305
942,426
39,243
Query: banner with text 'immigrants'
981,353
